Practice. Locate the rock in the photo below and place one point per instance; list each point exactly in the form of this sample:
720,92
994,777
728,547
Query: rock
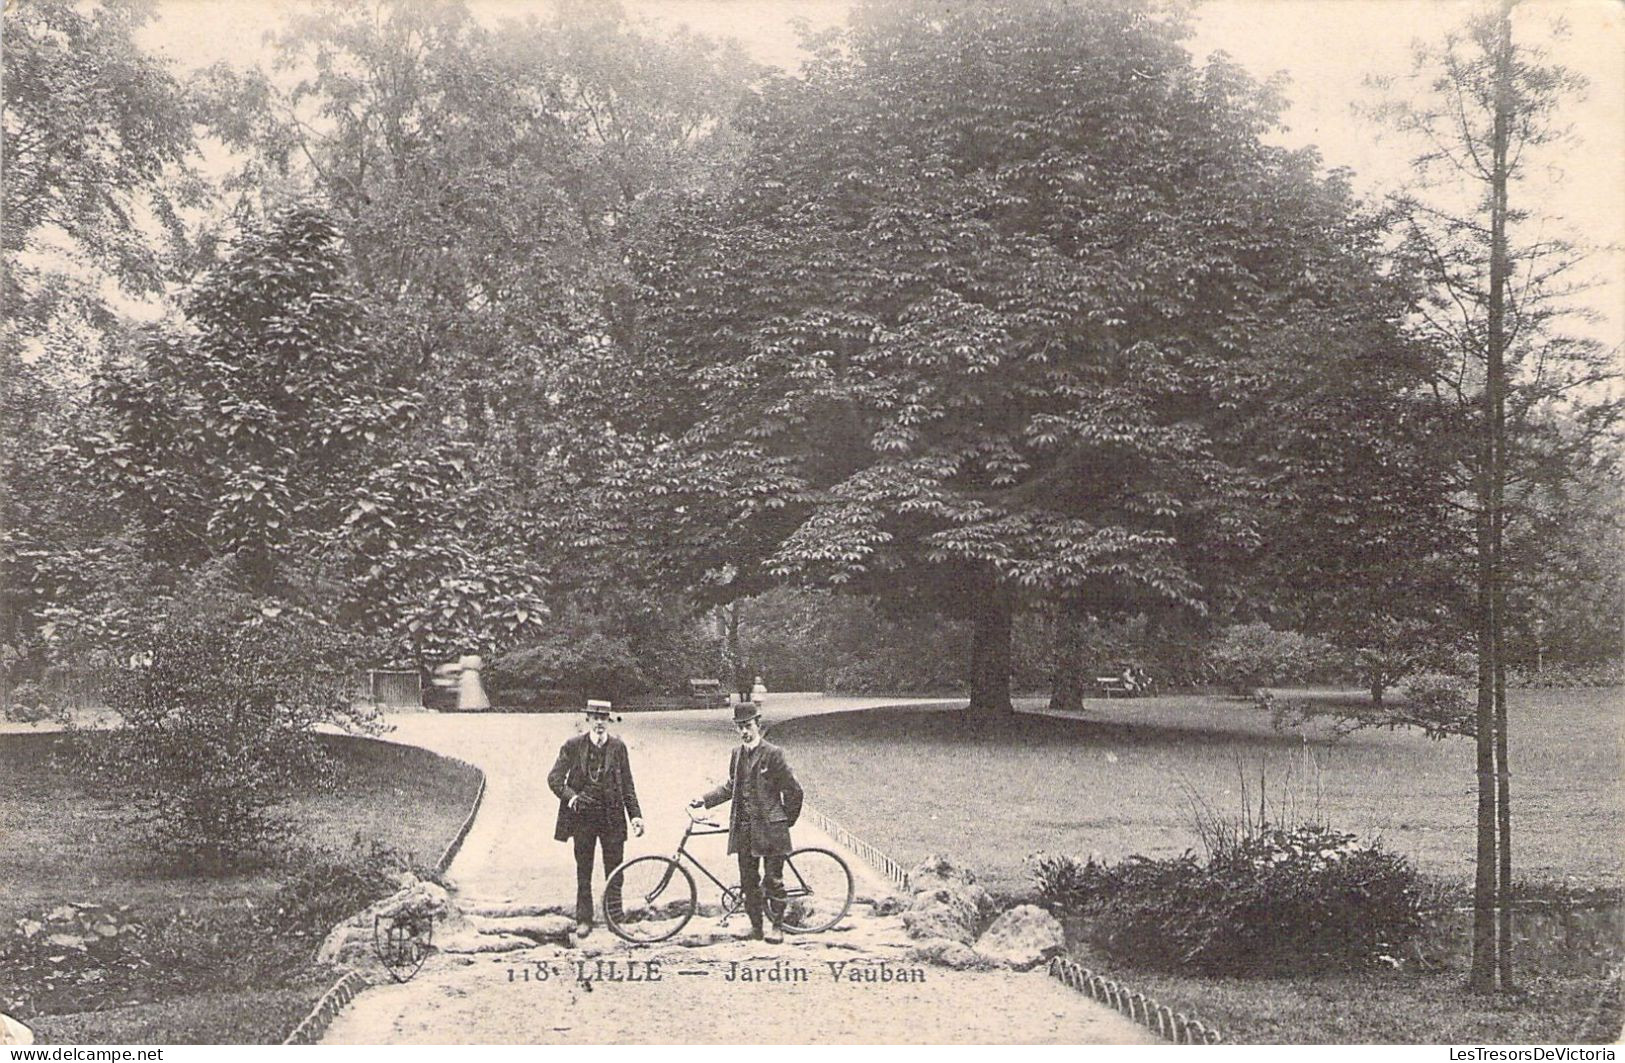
937,922
350,944
888,905
936,871
946,952
510,910
13,1032
1022,938
29,928
553,928
964,901
66,941
419,899
470,942
947,902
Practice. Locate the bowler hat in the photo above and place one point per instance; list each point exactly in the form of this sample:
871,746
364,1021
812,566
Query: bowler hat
746,711
598,708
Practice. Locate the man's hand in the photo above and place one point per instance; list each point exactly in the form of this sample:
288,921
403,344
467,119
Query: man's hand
637,828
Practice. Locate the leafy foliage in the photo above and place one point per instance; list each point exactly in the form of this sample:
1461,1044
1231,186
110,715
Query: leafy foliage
565,667
97,135
27,703
980,331
271,435
218,715
608,645
1443,701
1282,901
83,956
1246,657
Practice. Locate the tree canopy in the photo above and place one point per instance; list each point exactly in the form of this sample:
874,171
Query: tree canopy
992,310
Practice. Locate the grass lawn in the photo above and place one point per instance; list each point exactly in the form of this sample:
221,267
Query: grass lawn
1123,778
1381,1007
59,843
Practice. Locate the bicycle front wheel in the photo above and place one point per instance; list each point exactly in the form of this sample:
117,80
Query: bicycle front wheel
817,890
649,899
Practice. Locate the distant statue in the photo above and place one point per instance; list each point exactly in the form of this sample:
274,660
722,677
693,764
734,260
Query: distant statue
470,693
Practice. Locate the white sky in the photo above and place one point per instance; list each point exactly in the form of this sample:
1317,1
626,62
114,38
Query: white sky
1326,47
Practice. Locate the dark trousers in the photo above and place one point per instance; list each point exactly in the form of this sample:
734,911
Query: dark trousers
770,881
614,851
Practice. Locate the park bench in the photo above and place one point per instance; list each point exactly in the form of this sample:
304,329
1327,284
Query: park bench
708,693
1127,682
1113,684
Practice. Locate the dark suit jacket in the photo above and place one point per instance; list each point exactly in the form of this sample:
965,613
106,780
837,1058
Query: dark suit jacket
569,778
770,801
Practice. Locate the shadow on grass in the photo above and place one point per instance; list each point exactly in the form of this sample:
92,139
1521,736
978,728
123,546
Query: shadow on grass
1167,723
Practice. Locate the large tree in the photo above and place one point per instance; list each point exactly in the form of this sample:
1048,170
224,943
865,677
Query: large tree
490,181
987,319
98,136
267,436
97,141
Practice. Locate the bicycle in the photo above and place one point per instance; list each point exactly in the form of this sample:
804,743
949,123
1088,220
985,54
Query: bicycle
651,898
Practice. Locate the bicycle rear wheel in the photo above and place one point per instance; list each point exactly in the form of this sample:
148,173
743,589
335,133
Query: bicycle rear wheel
817,890
649,899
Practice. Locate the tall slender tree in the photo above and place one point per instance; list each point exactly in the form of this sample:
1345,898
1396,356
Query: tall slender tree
1501,290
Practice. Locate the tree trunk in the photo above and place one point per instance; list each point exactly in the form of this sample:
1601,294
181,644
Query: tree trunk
992,616
1495,384
736,659
1503,827
1071,675
1482,976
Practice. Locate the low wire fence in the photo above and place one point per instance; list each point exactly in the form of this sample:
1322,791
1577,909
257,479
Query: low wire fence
895,873
1176,1026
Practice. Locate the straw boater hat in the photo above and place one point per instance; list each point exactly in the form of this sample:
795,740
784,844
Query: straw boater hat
746,711
598,708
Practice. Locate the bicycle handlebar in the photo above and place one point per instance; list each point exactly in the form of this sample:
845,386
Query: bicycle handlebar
697,817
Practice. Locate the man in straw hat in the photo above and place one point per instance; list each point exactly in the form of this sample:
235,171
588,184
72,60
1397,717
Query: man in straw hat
593,781
766,803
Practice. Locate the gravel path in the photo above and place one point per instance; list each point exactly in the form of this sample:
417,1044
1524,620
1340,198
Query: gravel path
492,985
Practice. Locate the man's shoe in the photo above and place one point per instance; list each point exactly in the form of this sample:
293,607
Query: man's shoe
774,935
583,929
752,933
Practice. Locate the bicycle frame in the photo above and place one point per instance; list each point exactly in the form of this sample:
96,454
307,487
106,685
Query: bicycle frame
683,853
732,896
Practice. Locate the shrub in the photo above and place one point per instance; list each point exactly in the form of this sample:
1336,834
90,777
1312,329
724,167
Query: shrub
1440,702
327,886
82,957
1248,656
593,664
218,728
27,704
1068,883
1566,674
1280,902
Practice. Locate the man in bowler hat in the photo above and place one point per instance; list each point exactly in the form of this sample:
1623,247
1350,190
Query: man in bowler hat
766,804
593,781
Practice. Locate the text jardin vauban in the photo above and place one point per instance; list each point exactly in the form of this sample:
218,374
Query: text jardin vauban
777,973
